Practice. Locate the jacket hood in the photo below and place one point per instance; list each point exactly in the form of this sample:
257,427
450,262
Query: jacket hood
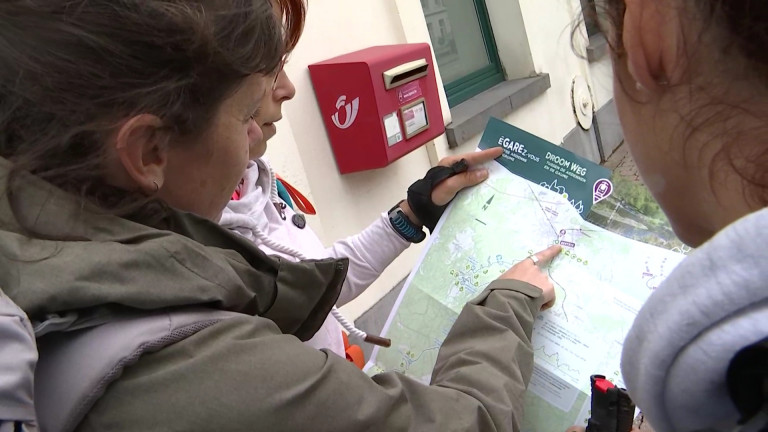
258,191
679,349
115,263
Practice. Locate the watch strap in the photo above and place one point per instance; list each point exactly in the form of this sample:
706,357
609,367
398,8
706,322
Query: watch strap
404,227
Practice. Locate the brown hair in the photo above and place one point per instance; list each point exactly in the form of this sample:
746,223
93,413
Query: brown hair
71,70
743,23
731,45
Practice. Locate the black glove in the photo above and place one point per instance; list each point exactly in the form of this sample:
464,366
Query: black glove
420,193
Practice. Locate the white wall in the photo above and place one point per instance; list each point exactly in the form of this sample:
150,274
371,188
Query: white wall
346,204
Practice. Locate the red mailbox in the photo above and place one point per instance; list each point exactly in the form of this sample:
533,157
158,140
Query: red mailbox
378,104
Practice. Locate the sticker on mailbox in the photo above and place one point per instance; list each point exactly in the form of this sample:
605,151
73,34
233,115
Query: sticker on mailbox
415,119
392,128
409,92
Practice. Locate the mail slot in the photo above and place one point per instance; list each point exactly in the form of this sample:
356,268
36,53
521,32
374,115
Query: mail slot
378,104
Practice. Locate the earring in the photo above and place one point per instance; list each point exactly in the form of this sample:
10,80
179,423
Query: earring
157,186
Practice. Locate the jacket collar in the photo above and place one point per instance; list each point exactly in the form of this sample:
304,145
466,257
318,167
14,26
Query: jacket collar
114,262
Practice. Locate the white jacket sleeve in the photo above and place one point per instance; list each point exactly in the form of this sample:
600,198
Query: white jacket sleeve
369,253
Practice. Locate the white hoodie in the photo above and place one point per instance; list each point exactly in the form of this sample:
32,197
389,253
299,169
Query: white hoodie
678,351
256,217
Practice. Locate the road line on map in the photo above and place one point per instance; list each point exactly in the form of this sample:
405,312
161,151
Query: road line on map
543,211
565,294
517,196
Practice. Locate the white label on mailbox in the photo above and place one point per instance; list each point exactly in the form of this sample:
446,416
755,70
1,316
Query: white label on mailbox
392,127
415,119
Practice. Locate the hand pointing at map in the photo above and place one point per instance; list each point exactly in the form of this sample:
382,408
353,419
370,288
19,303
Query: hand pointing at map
529,270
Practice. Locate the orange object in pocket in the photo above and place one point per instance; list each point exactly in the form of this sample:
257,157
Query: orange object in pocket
354,352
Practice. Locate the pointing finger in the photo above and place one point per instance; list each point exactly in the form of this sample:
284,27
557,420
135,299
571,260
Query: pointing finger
474,158
484,156
448,189
548,254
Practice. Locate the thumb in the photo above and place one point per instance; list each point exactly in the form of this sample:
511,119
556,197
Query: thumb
443,193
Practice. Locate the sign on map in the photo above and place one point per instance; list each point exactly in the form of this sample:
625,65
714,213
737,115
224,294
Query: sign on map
580,181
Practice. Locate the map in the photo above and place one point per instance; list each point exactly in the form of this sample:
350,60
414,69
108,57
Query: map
601,279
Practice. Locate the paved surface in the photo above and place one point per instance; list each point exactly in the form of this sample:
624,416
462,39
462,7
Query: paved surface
621,163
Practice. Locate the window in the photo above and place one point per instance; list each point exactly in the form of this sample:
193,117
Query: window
465,50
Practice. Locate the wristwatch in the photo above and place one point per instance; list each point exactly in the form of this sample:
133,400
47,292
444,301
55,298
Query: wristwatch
404,226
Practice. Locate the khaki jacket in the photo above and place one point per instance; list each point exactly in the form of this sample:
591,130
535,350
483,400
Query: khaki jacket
250,372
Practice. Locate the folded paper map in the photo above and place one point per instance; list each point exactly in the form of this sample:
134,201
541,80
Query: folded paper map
601,279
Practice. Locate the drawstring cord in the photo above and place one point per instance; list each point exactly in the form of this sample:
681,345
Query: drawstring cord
279,247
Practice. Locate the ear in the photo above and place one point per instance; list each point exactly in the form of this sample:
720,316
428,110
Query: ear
654,44
141,147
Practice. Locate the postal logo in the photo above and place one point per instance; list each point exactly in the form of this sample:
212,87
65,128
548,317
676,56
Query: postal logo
350,112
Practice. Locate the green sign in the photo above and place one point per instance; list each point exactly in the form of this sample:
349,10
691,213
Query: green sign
580,181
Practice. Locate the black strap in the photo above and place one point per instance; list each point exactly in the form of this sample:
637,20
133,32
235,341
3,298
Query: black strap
420,193
17,425
747,380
